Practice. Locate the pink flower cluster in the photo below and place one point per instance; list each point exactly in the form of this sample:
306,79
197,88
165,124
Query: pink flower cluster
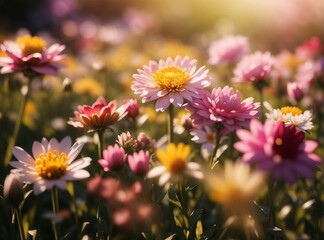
114,159
129,210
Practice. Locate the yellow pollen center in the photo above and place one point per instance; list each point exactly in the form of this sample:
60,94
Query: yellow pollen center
51,165
177,165
171,78
210,137
293,110
30,45
292,62
278,141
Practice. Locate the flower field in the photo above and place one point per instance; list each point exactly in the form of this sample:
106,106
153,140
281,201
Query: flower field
168,120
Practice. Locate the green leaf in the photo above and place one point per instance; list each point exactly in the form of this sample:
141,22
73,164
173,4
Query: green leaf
174,199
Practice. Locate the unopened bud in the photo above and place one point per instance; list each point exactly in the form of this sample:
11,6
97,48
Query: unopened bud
67,85
13,190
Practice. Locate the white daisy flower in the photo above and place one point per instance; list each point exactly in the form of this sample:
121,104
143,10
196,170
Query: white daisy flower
291,116
53,163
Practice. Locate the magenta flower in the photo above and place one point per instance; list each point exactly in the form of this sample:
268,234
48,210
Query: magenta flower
114,158
228,49
132,108
254,67
30,54
223,105
170,82
294,91
139,162
279,150
98,116
310,49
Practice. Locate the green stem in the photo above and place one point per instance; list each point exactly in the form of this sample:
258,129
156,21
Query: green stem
134,125
260,90
13,138
170,124
100,143
20,223
212,156
55,205
271,211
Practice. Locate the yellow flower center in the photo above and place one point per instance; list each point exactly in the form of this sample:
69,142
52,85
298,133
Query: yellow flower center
210,137
177,165
30,45
292,61
51,165
174,158
278,141
293,110
171,78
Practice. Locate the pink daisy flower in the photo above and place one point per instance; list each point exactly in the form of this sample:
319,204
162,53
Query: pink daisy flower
98,116
30,54
114,158
279,150
254,67
228,49
170,82
223,105
52,164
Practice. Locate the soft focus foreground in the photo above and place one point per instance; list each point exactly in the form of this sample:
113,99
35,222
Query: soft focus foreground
168,120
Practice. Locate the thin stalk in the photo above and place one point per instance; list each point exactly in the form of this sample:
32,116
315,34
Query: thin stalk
212,156
271,212
100,143
13,138
55,205
170,124
260,90
20,223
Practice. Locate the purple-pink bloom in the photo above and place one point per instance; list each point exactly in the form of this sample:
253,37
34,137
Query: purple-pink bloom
139,162
114,158
254,67
30,54
170,81
294,91
282,151
98,116
132,108
223,105
228,49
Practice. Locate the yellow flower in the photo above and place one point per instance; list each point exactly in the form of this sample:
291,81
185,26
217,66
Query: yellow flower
30,114
235,185
89,86
174,160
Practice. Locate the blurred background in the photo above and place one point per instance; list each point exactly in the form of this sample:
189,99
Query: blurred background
270,24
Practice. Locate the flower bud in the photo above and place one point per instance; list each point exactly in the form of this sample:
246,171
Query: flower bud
67,85
13,190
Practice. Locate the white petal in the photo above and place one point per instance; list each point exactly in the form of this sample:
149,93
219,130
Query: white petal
38,148
164,178
79,164
156,171
65,144
23,156
53,145
60,183
80,174
39,187
74,152
195,174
